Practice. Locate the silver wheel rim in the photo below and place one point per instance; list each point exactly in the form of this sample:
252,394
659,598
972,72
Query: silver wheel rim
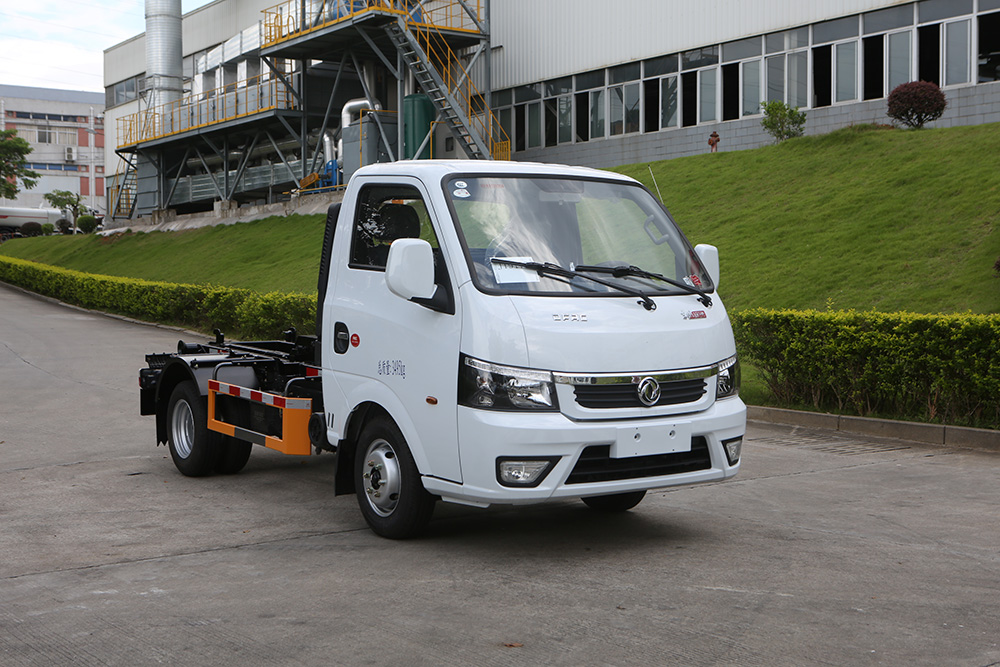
381,477
182,429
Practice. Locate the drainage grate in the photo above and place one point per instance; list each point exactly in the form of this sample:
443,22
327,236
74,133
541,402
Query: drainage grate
830,445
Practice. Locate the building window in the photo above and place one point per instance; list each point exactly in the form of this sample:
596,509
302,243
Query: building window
798,79
559,111
847,71
900,57
669,102
45,136
956,58
624,113
751,87
596,114
936,10
707,82
989,47
776,78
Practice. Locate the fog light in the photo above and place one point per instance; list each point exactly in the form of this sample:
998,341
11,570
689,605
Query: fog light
733,448
524,472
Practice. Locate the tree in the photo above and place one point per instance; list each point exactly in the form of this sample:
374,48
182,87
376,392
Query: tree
13,151
66,200
782,121
916,103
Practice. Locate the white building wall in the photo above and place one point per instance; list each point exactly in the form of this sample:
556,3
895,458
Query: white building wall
544,39
64,138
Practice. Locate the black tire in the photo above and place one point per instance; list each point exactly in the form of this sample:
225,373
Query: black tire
391,496
194,449
618,502
233,455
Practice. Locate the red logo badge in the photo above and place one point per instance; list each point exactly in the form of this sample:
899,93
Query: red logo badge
355,340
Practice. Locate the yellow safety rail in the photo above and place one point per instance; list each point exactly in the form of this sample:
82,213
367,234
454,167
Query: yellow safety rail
199,110
294,18
459,82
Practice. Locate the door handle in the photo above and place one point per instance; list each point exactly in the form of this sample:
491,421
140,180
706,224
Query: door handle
341,338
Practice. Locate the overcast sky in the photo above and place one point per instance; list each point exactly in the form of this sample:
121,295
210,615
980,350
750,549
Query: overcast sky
60,43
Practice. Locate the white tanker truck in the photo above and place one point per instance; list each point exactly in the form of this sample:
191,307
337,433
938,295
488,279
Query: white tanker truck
13,219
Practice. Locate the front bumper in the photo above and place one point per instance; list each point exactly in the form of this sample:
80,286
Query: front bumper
485,436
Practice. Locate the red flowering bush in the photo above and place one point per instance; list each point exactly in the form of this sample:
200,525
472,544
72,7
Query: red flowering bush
916,103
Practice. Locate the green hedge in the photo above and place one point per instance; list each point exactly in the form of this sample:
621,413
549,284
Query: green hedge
943,368
240,313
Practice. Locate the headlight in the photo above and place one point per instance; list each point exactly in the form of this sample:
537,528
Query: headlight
728,382
493,387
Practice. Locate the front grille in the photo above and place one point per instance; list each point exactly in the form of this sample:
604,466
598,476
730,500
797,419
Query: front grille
626,395
596,465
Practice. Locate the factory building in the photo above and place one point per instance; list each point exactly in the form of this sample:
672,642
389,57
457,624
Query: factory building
244,102
65,130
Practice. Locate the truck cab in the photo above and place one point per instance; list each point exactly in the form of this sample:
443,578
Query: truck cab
529,332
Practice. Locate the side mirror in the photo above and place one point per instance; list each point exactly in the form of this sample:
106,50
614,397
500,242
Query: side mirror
409,270
709,256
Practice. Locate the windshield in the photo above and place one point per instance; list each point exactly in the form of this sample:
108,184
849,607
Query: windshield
588,227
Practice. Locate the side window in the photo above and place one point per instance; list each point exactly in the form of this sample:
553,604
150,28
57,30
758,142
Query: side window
386,213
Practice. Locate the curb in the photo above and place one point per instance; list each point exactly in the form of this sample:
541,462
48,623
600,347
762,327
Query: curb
939,435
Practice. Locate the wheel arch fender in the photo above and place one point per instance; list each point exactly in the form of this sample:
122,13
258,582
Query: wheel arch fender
364,411
175,372
179,369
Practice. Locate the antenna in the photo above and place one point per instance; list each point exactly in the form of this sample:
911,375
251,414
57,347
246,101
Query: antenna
655,184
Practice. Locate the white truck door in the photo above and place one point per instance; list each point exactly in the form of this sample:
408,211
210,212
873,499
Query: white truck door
400,354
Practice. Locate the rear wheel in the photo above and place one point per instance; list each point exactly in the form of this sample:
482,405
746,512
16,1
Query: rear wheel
618,502
233,455
194,449
391,496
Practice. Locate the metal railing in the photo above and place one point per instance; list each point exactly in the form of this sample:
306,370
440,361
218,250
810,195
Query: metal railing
202,109
294,18
459,83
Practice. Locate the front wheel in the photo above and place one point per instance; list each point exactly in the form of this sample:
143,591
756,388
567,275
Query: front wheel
194,448
617,502
391,496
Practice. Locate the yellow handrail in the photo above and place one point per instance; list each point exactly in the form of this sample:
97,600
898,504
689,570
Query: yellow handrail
191,112
294,18
459,83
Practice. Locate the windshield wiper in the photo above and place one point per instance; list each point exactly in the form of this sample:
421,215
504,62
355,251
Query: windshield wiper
623,270
550,269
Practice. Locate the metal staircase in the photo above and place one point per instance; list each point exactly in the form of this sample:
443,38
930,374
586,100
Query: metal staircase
125,195
454,106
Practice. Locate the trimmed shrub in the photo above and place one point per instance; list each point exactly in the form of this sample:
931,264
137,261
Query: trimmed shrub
31,228
86,223
916,103
782,121
238,312
942,368
48,228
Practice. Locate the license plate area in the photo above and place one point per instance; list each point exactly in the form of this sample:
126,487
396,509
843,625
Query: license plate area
649,440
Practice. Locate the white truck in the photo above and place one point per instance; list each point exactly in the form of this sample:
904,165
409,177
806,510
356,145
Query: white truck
12,219
487,333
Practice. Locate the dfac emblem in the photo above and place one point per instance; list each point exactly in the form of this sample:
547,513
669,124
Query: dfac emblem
649,391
